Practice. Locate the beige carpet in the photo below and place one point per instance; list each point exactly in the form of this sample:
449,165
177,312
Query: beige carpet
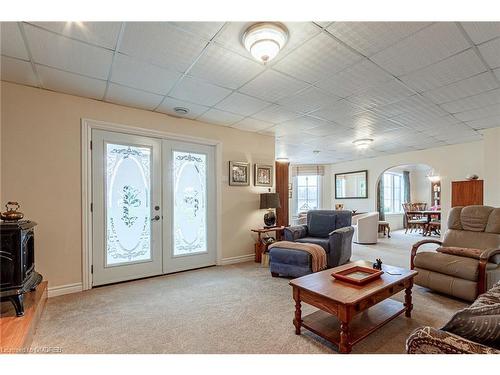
231,309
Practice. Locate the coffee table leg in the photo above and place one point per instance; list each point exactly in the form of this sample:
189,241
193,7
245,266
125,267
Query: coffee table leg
345,337
408,304
298,313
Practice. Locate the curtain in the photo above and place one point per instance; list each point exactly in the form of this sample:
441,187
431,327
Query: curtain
308,170
406,191
380,199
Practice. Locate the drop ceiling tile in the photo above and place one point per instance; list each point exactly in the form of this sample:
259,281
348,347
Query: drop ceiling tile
70,83
225,68
358,77
168,104
467,87
338,111
484,123
371,37
275,114
241,104
317,58
162,44
141,75
104,34
231,36
131,97
414,103
473,102
308,100
382,94
18,71
272,86
199,92
250,124
323,130
481,32
423,48
206,30
214,116
476,114
323,23
452,69
491,52
59,52
12,43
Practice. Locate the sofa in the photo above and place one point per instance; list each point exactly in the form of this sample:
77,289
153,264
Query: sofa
467,263
365,228
330,229
473,330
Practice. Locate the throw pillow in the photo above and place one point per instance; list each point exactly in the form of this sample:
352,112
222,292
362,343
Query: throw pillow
461,251
321,225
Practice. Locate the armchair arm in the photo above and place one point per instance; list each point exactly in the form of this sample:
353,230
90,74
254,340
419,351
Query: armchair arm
484,258
340,241
428,340
415,248
293,233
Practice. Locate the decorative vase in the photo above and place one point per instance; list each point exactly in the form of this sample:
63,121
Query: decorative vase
12,213
270,219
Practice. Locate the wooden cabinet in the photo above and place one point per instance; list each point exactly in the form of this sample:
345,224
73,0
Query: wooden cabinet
465,193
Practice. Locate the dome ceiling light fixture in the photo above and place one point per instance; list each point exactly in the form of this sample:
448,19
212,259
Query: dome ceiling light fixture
264,40
363,143
181,111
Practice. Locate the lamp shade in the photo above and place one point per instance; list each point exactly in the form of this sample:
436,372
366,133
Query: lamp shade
269,200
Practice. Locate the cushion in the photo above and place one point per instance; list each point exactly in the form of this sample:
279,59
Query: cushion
323,242
461,251
452,265
493,225
475,218
454,218
479,322
320,225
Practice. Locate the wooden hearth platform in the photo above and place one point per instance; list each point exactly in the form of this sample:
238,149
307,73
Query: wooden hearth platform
16,333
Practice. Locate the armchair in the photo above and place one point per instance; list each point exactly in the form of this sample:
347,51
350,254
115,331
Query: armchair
365,228
468,261
330,229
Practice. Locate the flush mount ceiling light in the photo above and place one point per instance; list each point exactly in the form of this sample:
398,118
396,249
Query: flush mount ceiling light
282,160
265,40
363,142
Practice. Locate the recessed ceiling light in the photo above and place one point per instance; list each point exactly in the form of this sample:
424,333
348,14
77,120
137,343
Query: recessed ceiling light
363,142
264,40
181,111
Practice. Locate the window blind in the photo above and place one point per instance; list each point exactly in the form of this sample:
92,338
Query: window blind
308,170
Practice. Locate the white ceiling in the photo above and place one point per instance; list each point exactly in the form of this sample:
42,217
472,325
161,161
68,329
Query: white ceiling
409,86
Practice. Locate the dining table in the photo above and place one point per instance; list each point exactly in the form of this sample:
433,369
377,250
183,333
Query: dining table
428,214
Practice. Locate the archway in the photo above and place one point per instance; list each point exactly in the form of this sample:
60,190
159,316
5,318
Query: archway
414,183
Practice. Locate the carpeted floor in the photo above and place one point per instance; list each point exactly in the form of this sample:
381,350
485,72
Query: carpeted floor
231,309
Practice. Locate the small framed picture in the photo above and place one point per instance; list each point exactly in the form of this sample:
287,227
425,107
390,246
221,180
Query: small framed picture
239,173
263,175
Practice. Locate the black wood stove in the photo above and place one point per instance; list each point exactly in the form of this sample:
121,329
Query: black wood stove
17,262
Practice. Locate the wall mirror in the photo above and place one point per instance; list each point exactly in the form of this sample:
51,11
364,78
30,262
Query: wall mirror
351,185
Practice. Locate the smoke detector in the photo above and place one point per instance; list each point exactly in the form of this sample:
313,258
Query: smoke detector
181,111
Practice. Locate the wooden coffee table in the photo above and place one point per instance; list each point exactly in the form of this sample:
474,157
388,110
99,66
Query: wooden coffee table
348,313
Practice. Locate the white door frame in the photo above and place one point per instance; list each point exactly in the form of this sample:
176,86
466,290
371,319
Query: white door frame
86,128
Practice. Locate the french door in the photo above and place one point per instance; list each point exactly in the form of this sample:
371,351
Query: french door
153,206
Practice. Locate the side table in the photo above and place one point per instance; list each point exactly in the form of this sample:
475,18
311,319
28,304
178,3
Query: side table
260,246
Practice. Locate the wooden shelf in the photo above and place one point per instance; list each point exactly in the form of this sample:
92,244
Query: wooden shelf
328,326
16,333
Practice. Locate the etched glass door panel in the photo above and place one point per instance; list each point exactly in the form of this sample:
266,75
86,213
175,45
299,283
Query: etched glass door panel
128,204
189,203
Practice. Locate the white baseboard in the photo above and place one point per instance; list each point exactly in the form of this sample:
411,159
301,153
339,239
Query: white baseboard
64,289
238,259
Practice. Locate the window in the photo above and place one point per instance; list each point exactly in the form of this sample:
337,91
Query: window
393,193
308,193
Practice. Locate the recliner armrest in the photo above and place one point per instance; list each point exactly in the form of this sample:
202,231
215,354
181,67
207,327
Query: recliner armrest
340,241
295,232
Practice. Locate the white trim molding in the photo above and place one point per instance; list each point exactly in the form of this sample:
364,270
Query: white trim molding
237,259
86,131
60,290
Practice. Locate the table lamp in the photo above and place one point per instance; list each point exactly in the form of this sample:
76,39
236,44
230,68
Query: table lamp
269,201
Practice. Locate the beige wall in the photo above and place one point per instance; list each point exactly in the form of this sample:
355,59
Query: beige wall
492,166
41,168
450,162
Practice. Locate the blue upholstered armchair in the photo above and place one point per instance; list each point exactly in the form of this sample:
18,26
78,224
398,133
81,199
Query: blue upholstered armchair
330,229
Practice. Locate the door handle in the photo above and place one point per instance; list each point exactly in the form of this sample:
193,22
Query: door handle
156,218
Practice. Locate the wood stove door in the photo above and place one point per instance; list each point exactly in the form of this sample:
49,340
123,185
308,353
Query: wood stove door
126,199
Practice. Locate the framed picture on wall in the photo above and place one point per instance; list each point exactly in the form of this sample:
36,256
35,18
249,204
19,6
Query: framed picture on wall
239,173
263,175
